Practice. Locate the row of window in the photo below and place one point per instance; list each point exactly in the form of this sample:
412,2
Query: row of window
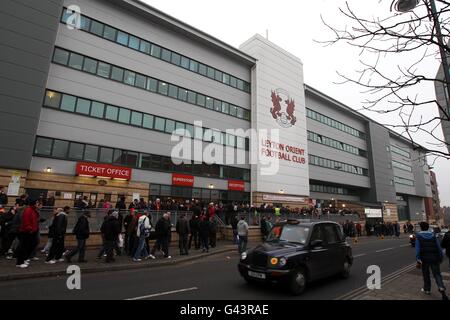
100,110
318,138
404,181
333,123
328,189
157,190
400,151
401,166
106,70
336,165
69,150
123,38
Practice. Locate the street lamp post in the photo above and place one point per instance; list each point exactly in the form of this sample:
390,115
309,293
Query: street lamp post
408,5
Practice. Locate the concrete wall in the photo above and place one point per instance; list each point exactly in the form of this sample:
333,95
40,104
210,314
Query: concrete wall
27,34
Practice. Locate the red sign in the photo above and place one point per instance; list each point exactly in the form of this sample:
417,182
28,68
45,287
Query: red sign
236,185
182,180
103,171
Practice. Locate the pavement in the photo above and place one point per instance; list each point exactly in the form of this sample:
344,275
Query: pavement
9,271
214,276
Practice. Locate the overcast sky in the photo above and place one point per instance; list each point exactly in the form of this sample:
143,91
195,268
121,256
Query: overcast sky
294,25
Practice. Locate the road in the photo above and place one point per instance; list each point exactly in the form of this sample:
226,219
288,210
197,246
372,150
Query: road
213,278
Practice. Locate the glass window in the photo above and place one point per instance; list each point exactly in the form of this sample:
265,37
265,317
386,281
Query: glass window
182,94
184,62
231,140
217,105
198,133
209,103
190,130
76,151
240,113
218,75
124,115
61,56
145,47
106,155
97,28
165,55
109,33
225,108
145,161
117,74
193,66
68,103
141,81
246,114
112,113
226,78
122,38
90,65
134,43
52,99
60,148
43,146
192,97
233,110
156,162
152,85
202,69
240,142
76,61
131,159
148,121
129,77
103,69
233,81
136,118
246,87
155,51
118,156
173,91
83,106
163,88
200,100
170,126
91,153
179,126
176,58
160,123
85,23
97,109
210,72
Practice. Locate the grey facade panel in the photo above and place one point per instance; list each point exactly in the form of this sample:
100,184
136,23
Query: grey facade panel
31,27
381,174
416,208
335,176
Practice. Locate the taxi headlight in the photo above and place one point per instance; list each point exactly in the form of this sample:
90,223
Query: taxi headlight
282,262
411,236
244,255
274,261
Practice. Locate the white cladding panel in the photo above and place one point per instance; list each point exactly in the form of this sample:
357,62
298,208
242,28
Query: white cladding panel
278,76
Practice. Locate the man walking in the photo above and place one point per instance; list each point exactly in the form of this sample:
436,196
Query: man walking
110,230
81,232
429,255
29,227
163,232
242,230
204,229
193,226
58,227
183,231
142,233
3,198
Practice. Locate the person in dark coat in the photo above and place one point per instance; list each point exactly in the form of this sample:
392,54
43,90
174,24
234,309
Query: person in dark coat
193,225
81,232
3,197
234,223
163,230
445,244
110,230
6,223
204,230
429,255
183,231
212,231
58,229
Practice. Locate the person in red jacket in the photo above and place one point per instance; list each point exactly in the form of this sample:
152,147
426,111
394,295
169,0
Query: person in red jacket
28,230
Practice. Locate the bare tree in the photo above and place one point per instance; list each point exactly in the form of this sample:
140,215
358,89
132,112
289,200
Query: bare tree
396,90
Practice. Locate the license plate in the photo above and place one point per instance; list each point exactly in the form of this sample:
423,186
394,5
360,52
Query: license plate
257,275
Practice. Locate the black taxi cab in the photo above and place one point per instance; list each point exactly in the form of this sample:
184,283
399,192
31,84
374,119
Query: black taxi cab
297,252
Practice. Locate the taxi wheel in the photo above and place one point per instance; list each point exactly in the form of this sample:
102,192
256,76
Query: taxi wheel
298,282
345,273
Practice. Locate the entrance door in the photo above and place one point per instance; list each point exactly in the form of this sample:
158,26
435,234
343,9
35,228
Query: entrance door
34,194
